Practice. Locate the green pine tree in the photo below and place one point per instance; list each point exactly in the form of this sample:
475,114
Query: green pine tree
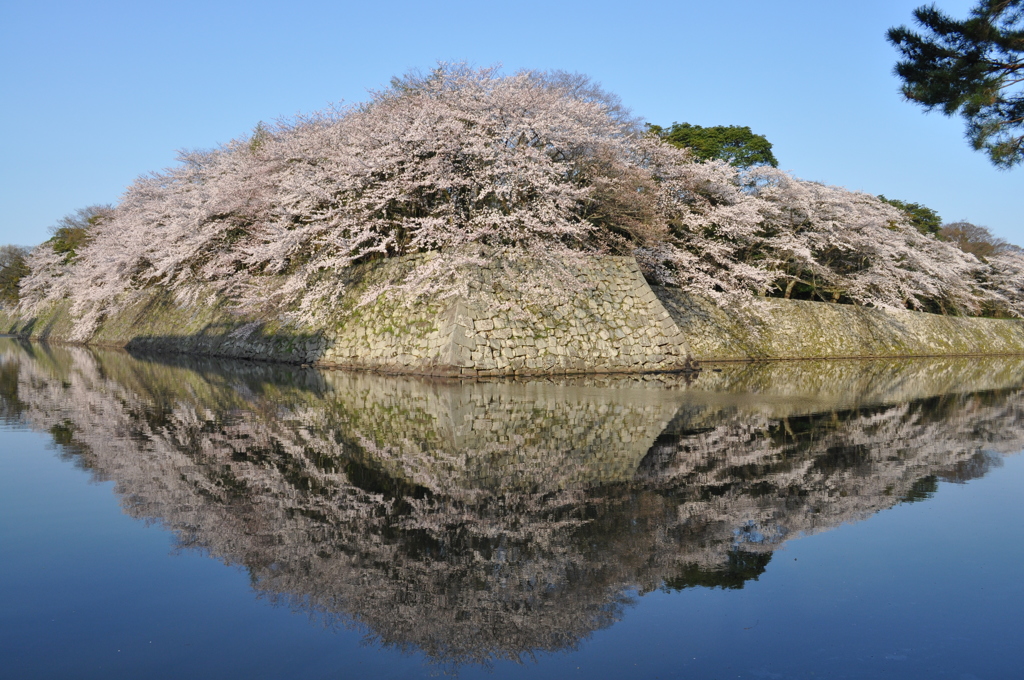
973,68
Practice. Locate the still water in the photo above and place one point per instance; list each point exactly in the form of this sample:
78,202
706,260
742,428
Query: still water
176,518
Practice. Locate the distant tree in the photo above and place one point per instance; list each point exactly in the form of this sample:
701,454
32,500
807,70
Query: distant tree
924,219
260,135
13,268
973,238
973,68
73,230
734,144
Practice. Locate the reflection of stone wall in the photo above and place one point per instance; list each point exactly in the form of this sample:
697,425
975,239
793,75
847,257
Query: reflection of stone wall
486,437
489,520
603,317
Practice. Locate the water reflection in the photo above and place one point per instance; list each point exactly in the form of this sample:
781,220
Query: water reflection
483,521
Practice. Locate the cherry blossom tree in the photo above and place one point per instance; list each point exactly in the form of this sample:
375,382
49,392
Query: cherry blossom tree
847,245
462,165
1005,282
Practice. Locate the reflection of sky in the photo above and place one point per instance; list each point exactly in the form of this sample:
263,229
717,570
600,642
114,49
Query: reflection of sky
752,532
90,593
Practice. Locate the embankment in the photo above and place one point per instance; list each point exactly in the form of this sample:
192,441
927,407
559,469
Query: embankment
608,320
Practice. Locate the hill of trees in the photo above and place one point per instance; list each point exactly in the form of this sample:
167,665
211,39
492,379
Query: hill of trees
471,164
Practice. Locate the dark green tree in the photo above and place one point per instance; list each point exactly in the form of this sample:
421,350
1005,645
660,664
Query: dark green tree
12,268
924,219
737,145
73,231
973,68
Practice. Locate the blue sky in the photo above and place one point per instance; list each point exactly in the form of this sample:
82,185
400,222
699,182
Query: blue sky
98,93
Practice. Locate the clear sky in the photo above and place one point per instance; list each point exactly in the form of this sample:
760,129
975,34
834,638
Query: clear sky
97,93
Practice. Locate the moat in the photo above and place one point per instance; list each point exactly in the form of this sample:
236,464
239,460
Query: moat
168,517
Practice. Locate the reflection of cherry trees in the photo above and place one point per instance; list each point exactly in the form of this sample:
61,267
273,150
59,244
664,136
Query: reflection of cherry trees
495,520
469,165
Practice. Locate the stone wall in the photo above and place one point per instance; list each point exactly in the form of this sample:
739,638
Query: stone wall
772,328
607,319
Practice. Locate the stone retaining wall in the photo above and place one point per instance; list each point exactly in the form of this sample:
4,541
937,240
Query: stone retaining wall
610,321
607,320
772,328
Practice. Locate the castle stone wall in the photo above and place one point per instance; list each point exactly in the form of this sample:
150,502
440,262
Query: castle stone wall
606,320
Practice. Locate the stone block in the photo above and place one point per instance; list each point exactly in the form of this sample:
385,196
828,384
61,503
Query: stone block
461,337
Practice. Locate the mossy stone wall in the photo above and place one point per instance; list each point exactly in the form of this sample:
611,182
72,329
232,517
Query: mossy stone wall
772,328
609,320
